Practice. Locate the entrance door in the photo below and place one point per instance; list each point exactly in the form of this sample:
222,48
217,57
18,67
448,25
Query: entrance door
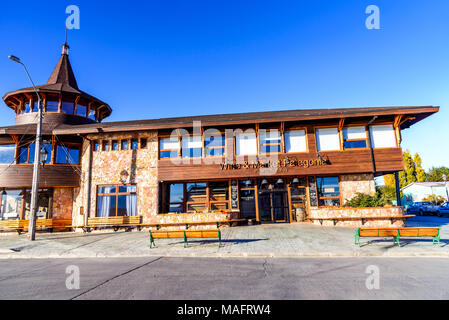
273,204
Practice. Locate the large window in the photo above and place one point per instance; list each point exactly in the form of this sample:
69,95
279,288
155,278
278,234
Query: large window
195,197
192,147
67,154
196,194
295,141
215,145
81,110
219,195
245,144
327,139
7,152
168,147
270,141
383,136
119,200
52,106
174,195
67,107
354,137
26,153
11,204
328,191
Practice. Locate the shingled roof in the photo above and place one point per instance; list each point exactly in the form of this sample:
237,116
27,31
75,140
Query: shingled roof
61,81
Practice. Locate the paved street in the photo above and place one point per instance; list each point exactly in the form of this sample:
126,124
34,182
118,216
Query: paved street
279,240
225,278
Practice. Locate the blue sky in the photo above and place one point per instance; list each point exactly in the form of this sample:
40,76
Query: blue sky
155,59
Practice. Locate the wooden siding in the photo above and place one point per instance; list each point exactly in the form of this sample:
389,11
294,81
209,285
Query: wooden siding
341,162
50,176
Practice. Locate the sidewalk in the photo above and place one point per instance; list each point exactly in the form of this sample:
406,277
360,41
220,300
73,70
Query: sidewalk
292,240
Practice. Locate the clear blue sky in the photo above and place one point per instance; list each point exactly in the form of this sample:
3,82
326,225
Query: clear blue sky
155,59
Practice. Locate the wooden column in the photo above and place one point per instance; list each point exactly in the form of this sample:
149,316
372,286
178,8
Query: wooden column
398,190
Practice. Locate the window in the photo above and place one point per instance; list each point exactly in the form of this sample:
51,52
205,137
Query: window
26,153
215,145
169,147
67,107
143,143
354,137
92,114
106,146
245,144
328,191
219,195
383,136
11,205
118,200
81,110
96,146
270,141
192,147
35,106
295,141
7,152
52,106
67,154
175,197
27,107
196,196
134,144
327,139
124,145
114,145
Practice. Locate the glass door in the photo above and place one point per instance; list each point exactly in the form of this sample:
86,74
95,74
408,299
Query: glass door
298,199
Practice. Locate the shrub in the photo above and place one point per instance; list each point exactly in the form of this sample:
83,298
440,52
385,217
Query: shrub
363,200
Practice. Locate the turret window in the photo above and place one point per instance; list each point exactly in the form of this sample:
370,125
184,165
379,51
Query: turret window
81,110
67,107
52,106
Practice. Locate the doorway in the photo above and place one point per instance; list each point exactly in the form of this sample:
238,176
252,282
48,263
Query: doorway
273,201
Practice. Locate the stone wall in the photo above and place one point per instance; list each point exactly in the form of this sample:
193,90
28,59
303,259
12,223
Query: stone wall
62,203
107,166
350,184
317,213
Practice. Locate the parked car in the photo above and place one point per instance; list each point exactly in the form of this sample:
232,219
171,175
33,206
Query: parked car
443,209
423,207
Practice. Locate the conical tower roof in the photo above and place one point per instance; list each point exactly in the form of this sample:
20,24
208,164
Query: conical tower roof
62,81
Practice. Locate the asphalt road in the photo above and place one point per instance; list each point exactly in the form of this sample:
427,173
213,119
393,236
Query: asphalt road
215,278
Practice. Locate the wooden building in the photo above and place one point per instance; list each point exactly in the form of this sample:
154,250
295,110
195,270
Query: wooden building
280,166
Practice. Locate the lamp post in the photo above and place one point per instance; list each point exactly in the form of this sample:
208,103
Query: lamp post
37,154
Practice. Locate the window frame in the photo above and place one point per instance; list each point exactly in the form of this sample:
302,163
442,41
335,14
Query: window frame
116,194
339,134
178,151
318,191
366,137
375,124
281,143
206,148
296,128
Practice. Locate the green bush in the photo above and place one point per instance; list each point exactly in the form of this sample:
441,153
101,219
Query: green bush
363,200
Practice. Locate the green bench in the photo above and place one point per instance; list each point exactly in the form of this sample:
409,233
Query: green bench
185,235
397,233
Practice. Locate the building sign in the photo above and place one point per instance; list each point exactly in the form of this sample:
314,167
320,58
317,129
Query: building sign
234,195
274,164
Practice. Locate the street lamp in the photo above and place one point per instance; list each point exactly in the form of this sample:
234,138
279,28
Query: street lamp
37,154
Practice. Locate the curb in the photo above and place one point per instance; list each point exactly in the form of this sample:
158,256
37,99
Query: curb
18,256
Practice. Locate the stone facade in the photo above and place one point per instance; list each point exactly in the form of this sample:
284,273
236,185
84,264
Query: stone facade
108,167
317,213
62,203
350,184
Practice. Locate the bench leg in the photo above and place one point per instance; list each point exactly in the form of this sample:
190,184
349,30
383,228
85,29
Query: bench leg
396,240
219,239
357,237
436,239
152,244
185,240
